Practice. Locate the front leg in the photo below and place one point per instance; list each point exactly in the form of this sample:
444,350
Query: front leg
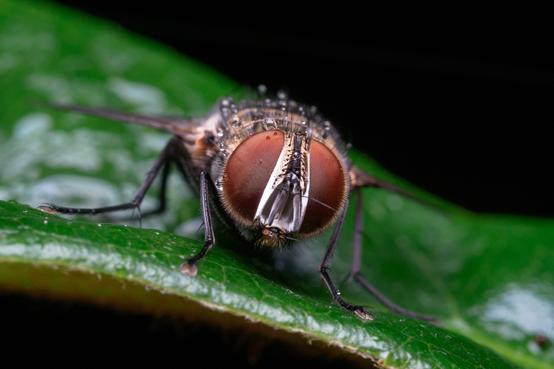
324,272
189,267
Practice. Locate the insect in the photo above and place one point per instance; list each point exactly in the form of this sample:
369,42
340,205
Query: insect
271,168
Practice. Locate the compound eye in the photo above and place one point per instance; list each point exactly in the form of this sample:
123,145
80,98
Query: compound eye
327,189
248,170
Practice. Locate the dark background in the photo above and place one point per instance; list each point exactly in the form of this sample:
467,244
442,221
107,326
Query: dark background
462,111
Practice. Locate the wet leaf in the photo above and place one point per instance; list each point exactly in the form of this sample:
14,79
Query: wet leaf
489,278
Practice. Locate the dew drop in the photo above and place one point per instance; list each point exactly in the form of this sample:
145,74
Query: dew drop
225,112
235,122
262,90
269,123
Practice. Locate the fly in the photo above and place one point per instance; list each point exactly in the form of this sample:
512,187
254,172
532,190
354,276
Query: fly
276,170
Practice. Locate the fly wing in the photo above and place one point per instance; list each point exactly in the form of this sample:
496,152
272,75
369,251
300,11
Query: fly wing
178,126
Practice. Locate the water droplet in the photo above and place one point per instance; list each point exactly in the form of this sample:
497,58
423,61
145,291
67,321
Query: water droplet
225,112
281,95
235,122
262,90
223,150
45,221
269,123
99,224
157,233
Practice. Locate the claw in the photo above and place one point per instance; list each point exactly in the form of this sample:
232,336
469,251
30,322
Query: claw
362,314
47,208
189,269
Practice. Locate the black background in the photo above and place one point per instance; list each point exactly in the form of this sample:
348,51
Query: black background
462,111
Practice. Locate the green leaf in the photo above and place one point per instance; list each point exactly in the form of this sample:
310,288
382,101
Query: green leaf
489,278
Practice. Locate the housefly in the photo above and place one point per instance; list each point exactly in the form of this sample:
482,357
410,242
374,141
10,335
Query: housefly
271,168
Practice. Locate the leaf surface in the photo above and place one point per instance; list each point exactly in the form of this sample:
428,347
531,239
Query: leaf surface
489,278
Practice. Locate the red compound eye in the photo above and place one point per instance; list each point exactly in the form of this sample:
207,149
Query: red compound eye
327,186
248,170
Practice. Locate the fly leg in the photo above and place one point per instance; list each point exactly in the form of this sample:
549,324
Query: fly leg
162,198
161,162
356,274
324,272
189,267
